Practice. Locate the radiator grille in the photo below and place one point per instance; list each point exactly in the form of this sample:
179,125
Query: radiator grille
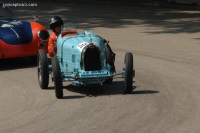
92,59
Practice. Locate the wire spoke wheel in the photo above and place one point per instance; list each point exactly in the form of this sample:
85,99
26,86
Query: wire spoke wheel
57,78
43,69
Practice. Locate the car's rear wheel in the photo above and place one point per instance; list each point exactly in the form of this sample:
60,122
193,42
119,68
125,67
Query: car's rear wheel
42,69
128,79
57,78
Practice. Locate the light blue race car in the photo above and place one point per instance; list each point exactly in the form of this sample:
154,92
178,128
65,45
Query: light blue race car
82,59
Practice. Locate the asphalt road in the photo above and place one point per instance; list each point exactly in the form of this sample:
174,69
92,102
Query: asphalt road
165,44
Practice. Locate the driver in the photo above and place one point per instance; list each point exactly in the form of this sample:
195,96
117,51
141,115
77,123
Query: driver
55,24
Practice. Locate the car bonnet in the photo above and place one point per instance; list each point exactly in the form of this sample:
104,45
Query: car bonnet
15,32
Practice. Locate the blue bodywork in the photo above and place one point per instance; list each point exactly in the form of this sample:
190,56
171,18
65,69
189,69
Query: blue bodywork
70,52
14,32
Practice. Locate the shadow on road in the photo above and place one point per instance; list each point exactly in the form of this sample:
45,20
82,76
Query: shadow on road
73,97
18,63
115,88
145,92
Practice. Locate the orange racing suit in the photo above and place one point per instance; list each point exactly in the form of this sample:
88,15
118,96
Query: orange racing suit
52,44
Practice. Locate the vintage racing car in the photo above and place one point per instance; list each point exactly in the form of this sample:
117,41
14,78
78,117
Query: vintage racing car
20,38
83,59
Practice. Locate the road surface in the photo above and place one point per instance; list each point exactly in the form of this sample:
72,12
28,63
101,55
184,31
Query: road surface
165,44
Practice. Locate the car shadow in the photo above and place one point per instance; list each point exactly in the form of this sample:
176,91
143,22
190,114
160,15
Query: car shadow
145,92
50,88
73,97
17,63
66,97
115,88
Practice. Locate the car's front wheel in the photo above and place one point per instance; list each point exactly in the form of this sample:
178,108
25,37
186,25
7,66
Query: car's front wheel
57,78
129,72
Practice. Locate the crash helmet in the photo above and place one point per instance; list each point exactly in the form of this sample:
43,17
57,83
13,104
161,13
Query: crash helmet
55,21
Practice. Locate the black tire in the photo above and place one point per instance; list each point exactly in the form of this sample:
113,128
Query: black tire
128,79
42,69
109,61
57,78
